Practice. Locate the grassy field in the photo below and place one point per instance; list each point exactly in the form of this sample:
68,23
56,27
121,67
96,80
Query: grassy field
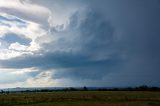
82,98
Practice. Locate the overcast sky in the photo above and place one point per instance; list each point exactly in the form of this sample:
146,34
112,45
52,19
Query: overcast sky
50,43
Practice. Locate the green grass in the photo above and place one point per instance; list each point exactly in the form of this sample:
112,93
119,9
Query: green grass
82,98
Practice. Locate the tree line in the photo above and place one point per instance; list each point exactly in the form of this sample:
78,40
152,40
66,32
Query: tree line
140,88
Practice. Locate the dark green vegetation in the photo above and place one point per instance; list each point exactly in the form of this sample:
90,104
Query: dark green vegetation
82,98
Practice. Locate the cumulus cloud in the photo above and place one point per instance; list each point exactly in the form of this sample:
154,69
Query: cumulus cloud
21,27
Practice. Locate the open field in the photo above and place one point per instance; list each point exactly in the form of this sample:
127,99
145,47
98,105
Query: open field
82,98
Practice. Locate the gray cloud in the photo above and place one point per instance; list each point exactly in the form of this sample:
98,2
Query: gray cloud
138,39
94,57
112,44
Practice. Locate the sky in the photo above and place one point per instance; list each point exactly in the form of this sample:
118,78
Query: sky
63,43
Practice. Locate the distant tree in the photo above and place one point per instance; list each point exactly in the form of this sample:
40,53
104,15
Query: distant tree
2,91
128,89
73,89
154,89
144,87
85,88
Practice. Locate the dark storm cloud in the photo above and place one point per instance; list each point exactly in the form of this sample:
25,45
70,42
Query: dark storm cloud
137,23
117,44
135,42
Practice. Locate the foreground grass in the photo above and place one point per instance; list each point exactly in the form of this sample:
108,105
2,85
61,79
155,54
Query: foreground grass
82,98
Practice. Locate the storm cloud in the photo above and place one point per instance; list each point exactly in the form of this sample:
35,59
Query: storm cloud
106,43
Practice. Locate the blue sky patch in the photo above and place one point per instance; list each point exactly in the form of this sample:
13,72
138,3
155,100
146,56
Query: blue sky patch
12,38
